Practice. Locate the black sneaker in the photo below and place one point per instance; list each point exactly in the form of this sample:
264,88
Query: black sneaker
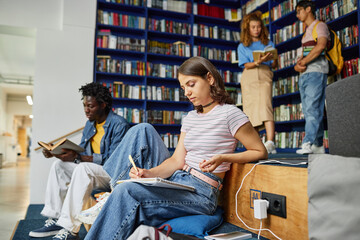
49,229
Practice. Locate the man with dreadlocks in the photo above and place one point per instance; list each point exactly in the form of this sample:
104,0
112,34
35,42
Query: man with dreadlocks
72,175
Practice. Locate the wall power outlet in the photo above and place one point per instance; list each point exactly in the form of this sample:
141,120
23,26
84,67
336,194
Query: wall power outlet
277,204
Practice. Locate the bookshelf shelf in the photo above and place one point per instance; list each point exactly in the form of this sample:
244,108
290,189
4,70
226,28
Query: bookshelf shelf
351,52
287,95
223,64
343,21
129,103
119,75
164,58
283,46
230,84
130,100
108,51
125,30
285,20
169,14
178,37
171,82
286,71
290,122
167,125
219,42
263,7
121,7
216,21
165,102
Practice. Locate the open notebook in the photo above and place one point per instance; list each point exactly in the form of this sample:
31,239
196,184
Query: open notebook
159,182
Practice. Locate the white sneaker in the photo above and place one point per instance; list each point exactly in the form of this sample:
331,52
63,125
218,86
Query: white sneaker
270,147
88,216
305,149
317,150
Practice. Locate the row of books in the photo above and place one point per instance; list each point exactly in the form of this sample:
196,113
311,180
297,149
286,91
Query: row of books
285,85
289,139
170,140
121,20
178,48
129,2
230,14
282,9
110,65
162,70
351,67
287,59
165,117
335,9
132,115
107,40
158,93
106,64
161,93
169,26
288,112
288,32
121,90
170,5
252,5
292,139
230,76
235,94
215,32
213,53
349,36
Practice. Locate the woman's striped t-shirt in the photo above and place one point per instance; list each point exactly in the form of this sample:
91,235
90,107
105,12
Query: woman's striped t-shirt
212,133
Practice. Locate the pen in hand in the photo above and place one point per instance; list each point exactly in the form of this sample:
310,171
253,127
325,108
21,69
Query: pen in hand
133,163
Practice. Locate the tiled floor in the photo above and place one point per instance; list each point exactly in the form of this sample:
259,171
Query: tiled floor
14,195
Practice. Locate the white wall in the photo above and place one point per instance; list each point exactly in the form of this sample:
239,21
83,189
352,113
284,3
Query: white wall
64,62
34,13
2,111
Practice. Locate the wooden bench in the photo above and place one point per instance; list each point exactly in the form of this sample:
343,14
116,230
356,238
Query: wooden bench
284,180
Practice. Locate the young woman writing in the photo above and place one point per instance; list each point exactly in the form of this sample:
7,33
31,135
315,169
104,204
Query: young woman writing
203,155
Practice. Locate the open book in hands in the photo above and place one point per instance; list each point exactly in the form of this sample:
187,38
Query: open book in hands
257,54
62,144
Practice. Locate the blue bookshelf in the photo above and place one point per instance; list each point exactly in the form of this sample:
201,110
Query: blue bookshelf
156,32
222,43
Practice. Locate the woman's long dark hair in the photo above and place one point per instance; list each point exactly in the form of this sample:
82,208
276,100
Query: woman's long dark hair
199,66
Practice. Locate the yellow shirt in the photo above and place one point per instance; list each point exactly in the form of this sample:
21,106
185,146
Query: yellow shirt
96,139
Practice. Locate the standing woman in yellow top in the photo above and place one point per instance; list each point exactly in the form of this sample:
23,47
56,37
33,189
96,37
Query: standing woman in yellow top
256,80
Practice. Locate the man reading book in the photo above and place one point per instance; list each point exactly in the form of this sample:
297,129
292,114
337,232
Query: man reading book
73,176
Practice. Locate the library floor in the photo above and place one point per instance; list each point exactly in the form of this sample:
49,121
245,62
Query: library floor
14,195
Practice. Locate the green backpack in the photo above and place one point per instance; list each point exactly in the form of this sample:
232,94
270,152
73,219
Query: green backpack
332,52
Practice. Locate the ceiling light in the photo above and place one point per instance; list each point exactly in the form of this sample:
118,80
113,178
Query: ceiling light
29,100
31,116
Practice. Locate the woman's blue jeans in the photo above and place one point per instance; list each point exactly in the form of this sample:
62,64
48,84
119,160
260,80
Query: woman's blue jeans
132,204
